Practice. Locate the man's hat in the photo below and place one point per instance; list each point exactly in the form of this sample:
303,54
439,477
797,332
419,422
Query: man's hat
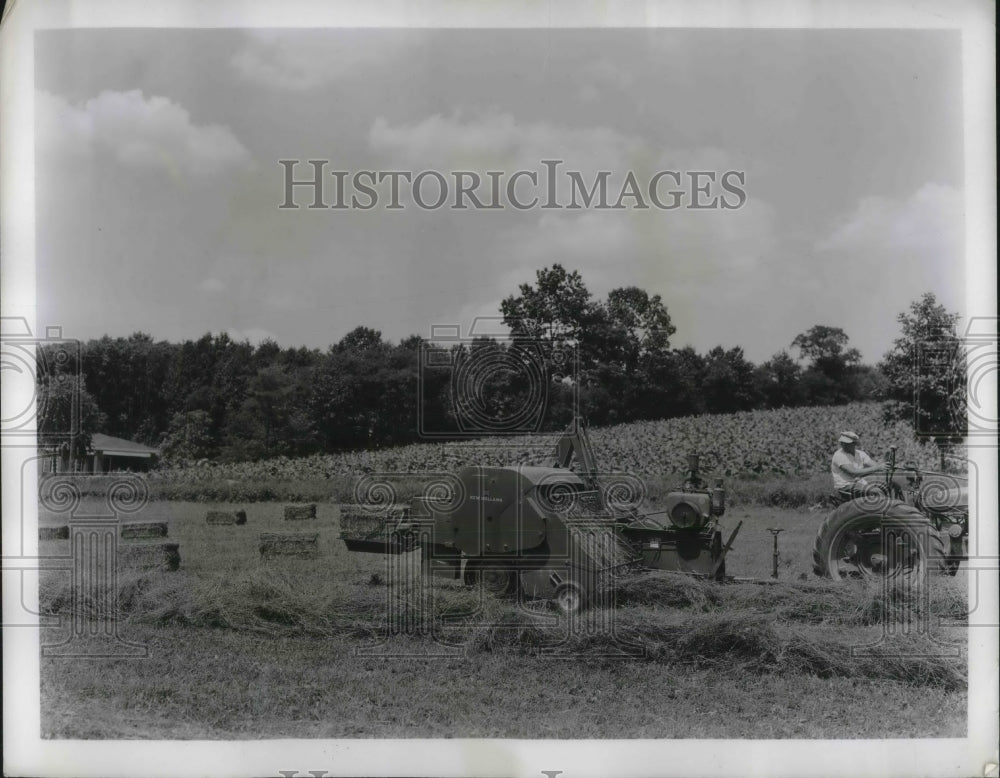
848,437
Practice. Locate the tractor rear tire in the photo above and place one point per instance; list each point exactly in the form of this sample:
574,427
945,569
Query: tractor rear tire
851,543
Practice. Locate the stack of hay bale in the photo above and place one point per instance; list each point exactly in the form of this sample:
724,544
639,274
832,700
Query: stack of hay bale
304,545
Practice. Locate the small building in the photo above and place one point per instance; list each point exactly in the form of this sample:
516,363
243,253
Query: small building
107,453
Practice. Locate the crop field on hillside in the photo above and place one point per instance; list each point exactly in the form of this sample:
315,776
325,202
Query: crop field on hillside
340,645
789,444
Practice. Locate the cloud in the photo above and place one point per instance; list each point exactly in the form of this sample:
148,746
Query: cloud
302,60
679,247
139,133
601,76
678,253
910,245
138,196
489,139
255,335
928,224
485,142
881,256
212,286
709,267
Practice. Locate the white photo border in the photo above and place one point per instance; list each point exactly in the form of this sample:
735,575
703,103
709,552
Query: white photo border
26,754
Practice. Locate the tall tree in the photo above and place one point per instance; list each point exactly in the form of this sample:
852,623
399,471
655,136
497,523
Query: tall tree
269,423
557,308
554,322
639,326
620,343
779,381
827,349
188,438
360,339
65,406
356,397
728,383
126,377
829,376
926,372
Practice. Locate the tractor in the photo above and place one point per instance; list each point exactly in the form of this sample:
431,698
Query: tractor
559,532
905,525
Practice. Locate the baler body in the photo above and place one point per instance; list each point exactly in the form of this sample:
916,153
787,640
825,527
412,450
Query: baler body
546,532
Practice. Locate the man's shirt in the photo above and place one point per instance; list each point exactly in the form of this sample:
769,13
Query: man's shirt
841,478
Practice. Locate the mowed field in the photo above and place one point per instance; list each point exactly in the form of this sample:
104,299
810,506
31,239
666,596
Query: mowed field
241,647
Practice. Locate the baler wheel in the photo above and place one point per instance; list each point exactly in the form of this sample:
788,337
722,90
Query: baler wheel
569,598
494,580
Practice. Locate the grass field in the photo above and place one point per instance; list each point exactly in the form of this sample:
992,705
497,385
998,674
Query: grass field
245,648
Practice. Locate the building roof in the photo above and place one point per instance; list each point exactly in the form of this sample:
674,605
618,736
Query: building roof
119,447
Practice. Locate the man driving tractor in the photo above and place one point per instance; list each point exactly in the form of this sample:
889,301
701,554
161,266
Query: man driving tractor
849,467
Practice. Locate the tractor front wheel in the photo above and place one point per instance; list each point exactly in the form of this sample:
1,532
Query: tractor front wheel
894,540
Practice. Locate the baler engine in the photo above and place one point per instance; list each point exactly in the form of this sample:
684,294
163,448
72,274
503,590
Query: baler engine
690,540
547,532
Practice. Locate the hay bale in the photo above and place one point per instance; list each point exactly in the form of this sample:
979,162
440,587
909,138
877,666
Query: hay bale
54,533
145,529
298,544
161,556
365,522
375,529
300,512
238,518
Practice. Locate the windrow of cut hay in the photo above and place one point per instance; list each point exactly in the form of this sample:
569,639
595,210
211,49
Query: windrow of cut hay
269,602
848,603
278,600
753,643
676,621
746,643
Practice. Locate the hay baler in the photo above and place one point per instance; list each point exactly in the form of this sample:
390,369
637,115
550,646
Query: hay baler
548,532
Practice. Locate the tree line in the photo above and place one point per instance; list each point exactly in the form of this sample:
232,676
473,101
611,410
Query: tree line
610,358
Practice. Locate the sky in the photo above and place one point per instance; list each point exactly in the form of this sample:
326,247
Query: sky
158,181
